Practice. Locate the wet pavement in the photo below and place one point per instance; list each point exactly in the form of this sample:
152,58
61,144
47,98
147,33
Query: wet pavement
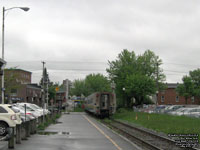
76,131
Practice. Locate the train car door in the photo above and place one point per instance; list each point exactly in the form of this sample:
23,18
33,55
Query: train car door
104,101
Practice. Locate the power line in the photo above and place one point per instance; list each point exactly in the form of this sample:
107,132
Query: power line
192,65
175,71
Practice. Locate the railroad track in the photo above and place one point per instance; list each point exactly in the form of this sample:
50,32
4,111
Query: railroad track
145,139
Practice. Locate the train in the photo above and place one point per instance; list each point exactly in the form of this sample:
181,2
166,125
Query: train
101,104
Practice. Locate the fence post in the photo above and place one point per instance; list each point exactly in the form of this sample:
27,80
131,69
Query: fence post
23,131
35,125
27,127
11,142
18,134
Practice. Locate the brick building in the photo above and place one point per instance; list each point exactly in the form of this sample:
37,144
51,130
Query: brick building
170,96
21,76
18,87
63,93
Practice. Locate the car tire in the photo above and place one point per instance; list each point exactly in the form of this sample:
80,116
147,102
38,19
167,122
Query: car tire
3,128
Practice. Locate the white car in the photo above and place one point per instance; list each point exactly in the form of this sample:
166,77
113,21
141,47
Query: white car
34,106
29,109
182,111
8,118
29,115
193,112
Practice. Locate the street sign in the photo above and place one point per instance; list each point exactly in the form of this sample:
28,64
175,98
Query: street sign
57,88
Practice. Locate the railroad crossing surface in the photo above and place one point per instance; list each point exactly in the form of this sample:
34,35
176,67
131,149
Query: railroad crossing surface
77,131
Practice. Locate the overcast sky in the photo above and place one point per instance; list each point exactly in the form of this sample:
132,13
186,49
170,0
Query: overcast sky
78,37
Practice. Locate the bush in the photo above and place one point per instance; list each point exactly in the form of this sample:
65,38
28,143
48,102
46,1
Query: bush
123,110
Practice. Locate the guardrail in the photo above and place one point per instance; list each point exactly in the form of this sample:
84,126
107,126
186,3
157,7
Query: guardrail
25,130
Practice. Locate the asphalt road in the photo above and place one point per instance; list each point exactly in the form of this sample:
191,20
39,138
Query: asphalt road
81,132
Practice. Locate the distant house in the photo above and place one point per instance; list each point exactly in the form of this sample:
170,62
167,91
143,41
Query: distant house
33,94
170,96
63,93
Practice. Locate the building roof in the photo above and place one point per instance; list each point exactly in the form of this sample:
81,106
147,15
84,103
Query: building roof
172,85
34,86
14,69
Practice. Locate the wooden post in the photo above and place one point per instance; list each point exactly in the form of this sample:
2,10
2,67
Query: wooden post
11,142
23,131
27,127
18,134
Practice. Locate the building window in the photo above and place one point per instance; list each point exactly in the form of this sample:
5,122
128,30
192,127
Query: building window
193,99
162,98
177,98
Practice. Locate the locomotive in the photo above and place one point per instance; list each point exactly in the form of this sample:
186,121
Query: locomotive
101,104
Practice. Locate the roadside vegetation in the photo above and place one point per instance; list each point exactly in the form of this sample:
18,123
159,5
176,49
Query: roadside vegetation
136,77
78,109
50,121
92,83
160,122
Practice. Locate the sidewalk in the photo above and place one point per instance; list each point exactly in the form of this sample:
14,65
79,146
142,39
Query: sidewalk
3,145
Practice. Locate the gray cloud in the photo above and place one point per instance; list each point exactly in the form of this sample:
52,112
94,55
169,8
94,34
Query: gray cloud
65,32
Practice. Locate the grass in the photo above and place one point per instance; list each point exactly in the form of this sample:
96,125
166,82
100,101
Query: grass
78,109
161,122
42,126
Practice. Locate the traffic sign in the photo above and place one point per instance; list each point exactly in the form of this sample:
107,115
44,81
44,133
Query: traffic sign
57,88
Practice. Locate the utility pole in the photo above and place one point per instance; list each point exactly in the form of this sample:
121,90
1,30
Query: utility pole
3,45
47,92
43,94
2,77
157,83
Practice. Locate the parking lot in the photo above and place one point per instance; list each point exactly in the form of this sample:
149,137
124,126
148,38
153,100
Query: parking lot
179,110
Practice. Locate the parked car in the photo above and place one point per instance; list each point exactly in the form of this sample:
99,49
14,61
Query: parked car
172,108
159,109
8,118
193,112
25,118
46,111
181,111
28,116
29,109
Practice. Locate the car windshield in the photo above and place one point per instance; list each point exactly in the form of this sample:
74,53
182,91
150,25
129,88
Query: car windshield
28,108
35,106
180,109
186,110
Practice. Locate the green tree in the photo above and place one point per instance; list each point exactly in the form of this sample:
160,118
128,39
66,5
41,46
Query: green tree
186,89
195,77
78,88
52,90
124,65
11,83
92,83
143,70
139,86
96,83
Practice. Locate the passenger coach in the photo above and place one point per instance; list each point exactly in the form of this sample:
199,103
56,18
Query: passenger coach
102,104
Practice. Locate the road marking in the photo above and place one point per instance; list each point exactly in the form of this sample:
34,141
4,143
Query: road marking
113,142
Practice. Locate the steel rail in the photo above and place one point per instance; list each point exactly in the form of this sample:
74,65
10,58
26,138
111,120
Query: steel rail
139,140
142,143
